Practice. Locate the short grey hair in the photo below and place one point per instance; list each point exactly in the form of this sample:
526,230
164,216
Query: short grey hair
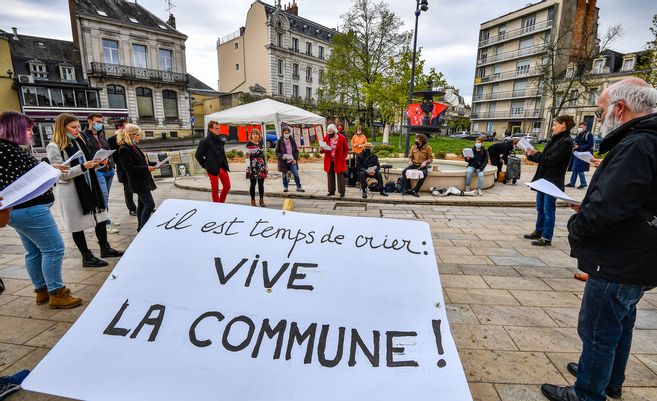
638,98
331,128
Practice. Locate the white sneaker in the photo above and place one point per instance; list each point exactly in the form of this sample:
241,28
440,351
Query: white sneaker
479,192
115,224
112,230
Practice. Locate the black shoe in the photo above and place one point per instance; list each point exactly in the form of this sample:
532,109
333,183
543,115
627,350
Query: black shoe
92,261
330,194
573,368
416,194
542,242
133,213
533,235
108,252
569,185
341,196
364,195
284,189
383,193
558,393
300,190
581,187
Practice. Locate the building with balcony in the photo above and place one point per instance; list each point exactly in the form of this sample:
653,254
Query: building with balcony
276,50
137,61
607,68
49,80
508,95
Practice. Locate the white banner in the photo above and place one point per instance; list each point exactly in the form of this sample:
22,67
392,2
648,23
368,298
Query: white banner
219,301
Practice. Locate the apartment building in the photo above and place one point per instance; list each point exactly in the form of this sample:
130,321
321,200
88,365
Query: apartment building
508,90
276,53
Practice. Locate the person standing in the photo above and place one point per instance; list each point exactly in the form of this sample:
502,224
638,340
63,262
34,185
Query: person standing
613,235
287,154
211,155
256,169
127,195
583,143
138,172
367,165
335,159
420,157
476,164
552,166
32,220
358,141
95,138
81,200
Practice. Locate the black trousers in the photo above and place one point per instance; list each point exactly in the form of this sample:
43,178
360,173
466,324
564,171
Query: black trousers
261,187
127,195
406,181
363,176
81,241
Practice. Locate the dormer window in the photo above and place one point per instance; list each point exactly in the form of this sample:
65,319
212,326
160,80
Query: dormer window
570,72
628,64
101,13
133,20
38,69
67,73
598,65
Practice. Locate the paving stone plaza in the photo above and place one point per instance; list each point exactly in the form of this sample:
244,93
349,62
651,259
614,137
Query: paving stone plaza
512,308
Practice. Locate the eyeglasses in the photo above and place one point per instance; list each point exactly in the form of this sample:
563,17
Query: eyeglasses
598,113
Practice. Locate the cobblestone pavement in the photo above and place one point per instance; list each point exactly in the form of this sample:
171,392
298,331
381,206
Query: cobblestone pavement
512,307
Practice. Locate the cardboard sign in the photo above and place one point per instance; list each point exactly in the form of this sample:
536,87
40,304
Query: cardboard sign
219,301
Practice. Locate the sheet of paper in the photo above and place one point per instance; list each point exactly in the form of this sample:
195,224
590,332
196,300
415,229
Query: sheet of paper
161,163
75,156
585,156
549,188
467,152
287,157
30,185
103,154
371,169
524,144
324,145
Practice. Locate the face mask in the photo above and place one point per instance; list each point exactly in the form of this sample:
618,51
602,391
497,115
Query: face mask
580,130
331,133
70,136
478,145
366,151
359,133
418,143
286,136
610,122
98,126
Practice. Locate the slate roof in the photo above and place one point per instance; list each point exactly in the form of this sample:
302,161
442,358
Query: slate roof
303,25
122,11
196,85
614,59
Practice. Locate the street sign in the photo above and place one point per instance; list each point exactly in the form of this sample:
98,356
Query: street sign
192,120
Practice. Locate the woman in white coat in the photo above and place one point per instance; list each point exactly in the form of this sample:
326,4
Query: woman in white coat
79,194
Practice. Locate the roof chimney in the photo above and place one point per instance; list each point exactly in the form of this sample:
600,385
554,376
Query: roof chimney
72,9
172,21
293,8
15,33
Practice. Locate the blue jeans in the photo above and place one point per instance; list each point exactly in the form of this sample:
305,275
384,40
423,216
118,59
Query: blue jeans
468,177
44,246
145,206
606,321
294,169
582,178
105,181
546,206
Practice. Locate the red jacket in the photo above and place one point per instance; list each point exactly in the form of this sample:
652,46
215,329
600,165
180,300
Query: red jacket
341,152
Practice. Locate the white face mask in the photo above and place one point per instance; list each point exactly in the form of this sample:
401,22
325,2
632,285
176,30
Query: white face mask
580,130
287,136
610,122
477,145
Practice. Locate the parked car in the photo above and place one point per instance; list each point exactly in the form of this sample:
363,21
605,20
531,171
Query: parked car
271,139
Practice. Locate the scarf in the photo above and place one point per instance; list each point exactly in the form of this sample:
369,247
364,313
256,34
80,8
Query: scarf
86,185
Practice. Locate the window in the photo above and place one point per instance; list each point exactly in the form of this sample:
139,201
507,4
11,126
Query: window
528,23
484,35
320,76
145,103
572,99
166,60
570,72
550,15
309,93
139,57
237,45
517,107
133,20
80,98
29,96
69,97
102,13
170,102
497,70
321,52
309,48
43,96
280,67
92,99
536,126
295,71
597,66
295,44
594,94
295,90
56,98
116,96
173,134
309,74
280,89
526,43
320,95
522,67
502,31
481,72
38,70
279,39
237,67
520,87
148,134
483,56
111,51
67,73
499,49
628,64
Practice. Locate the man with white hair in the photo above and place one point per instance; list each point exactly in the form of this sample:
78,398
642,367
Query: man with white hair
613,235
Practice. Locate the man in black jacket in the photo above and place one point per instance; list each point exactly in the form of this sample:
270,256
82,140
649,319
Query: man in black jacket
211,155
613,235
367,165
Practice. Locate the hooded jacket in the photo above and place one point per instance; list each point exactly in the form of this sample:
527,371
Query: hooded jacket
610,236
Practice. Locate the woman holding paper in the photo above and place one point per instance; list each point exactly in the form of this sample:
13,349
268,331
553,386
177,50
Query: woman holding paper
32,220
81,198
256,169
138,171
583,143
287,154
477,160
335,149
552,165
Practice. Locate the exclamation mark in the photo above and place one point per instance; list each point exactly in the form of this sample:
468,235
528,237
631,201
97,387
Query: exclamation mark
439,342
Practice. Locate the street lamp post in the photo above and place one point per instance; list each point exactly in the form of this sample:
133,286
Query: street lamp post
421,5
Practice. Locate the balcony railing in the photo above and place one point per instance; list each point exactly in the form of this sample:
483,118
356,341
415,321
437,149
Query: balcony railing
527,51
516,33
136,73
506,95
501,76
510,115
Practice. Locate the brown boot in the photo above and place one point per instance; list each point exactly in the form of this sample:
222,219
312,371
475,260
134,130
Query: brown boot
61,299
262,203
42,296
253,202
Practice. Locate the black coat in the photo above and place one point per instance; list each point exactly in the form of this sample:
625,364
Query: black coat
553,161
480,159
364,162
97,142
283,165
134,162
211,155
609,237
500,152
113,145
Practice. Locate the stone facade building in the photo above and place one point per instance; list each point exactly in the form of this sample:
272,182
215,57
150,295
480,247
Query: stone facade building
276,53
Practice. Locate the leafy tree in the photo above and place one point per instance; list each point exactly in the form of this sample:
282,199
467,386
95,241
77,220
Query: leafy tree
648,66
459,123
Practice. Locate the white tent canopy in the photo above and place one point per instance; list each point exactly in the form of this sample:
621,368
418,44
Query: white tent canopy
263,112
